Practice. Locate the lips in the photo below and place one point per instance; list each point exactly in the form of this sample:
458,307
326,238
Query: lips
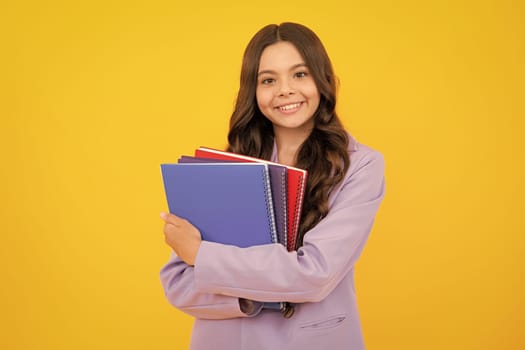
289,107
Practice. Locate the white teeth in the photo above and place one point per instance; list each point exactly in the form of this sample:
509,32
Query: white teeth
289,107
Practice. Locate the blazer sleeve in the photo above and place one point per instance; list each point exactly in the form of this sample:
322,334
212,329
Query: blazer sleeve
178,281
269,273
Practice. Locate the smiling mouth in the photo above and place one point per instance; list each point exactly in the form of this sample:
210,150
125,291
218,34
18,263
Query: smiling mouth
289,107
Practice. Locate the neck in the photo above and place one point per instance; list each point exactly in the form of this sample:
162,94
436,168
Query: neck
288,143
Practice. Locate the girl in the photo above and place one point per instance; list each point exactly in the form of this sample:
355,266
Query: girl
285,112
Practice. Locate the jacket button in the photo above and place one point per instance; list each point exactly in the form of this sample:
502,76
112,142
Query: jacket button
288,310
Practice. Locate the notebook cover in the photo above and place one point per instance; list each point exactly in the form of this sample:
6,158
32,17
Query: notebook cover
296,187
279,186
228,203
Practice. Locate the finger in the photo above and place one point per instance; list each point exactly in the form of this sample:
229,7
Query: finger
171,219
169,228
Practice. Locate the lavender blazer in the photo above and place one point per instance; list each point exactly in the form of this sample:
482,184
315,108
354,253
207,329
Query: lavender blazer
318,277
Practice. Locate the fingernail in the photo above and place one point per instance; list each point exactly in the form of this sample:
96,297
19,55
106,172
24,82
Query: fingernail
163,215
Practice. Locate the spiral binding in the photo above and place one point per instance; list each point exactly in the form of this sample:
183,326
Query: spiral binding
269,204
297,210
284,188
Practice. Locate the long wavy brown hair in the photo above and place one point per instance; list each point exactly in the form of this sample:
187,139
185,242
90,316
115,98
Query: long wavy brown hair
324,153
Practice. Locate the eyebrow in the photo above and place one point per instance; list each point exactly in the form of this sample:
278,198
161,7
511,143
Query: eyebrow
269,71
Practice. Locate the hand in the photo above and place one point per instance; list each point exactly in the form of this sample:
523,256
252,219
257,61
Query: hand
184,238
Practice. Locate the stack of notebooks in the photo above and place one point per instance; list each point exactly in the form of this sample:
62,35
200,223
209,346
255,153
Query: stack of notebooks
235,199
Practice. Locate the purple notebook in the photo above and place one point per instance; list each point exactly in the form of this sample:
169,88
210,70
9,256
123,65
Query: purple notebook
278,184
230,203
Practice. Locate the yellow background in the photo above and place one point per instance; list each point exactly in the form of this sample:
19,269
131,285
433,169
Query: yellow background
96,94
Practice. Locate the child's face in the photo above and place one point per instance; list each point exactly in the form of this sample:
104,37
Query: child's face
286,92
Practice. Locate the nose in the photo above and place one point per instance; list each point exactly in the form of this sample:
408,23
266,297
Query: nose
285,88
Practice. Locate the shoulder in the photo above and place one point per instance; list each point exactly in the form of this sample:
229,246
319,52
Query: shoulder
364,180
363,156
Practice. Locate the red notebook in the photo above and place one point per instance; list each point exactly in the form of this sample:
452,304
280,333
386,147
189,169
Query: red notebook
296,187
